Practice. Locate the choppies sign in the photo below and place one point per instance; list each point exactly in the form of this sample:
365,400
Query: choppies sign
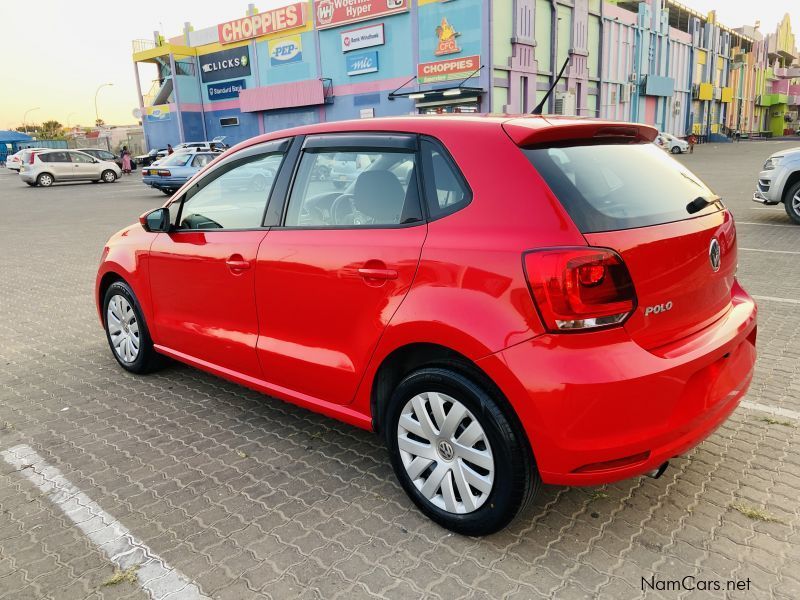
270,21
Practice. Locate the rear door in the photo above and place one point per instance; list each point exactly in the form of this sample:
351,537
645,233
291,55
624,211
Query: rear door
58,164
329,279
675,236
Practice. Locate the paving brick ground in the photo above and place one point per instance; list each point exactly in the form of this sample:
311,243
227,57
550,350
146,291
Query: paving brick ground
252,498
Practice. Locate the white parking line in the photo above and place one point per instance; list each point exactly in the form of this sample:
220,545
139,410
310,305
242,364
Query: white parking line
773,410
109,535
774,299
764,224
770,251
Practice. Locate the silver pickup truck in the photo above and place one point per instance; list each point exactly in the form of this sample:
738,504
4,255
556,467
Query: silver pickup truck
779,181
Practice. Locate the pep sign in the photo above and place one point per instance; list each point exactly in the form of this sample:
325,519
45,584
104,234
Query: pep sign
285,51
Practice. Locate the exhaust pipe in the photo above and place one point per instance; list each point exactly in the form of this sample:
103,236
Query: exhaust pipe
656,473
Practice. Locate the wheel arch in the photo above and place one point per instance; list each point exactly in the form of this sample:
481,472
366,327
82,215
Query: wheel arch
414,356
790,181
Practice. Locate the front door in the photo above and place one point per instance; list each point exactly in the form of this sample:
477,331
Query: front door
329,280
84,166
203,272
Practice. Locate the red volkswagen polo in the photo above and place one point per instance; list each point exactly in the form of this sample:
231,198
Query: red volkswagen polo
508,301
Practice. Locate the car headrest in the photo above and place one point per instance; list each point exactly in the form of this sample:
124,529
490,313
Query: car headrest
379,195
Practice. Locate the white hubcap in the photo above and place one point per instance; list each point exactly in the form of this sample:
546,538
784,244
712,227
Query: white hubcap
445,452
123,328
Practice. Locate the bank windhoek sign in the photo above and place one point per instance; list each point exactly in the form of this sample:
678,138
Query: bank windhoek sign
264,23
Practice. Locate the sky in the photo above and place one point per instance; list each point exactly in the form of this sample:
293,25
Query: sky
57,52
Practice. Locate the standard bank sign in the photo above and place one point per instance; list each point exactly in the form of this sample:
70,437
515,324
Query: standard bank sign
225,64
225,91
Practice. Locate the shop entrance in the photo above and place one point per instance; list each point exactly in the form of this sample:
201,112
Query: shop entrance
462,105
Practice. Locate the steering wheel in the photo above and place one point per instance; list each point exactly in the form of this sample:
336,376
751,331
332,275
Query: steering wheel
342,210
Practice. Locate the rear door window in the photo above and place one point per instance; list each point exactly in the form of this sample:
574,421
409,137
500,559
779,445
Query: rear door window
608,187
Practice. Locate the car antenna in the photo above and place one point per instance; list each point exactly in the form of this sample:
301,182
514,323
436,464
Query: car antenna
540,106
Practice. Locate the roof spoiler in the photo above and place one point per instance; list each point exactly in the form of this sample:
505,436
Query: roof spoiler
539,131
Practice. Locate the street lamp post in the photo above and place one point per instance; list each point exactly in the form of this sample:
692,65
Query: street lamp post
25,118
100,87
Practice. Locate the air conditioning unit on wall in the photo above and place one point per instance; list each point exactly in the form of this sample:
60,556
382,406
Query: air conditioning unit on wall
565,103
625,95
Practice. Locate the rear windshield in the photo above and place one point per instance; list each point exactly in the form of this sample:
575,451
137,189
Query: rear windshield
608,187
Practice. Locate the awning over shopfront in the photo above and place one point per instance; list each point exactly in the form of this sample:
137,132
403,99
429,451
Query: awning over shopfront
285,95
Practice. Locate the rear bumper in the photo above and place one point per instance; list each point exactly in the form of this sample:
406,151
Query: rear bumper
164,183
598,408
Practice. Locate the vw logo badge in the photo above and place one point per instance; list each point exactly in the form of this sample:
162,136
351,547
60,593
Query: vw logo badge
445,450
714,254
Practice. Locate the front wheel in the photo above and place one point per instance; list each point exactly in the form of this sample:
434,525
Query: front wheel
109,176
457,454
792,203
675,150
126,330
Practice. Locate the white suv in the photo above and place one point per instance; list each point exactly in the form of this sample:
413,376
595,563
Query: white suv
52,166
779,181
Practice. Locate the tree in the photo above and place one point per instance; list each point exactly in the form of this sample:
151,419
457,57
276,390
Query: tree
99,123
30,128
51,128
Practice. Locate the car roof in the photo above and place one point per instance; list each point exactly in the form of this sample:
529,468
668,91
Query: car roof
523,129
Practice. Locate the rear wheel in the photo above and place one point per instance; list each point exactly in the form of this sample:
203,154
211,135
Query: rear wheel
457,455
44,180
126,330
792,202
109,176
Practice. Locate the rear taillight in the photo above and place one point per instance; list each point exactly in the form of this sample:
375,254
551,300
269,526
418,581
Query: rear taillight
30,158
579,288
164,173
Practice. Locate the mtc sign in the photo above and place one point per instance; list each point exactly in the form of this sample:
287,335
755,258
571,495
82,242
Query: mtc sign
271,21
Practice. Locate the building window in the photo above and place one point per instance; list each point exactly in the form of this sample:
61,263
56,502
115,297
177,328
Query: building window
229,121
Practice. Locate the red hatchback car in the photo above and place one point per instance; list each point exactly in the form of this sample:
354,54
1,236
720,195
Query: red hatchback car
508,301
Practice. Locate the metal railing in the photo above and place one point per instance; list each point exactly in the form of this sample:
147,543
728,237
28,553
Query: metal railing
141,45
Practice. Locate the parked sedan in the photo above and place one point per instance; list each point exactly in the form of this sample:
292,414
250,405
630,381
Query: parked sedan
575,321
672,144
172,172
56,166
15,161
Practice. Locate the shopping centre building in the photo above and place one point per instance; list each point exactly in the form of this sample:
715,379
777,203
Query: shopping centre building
652,61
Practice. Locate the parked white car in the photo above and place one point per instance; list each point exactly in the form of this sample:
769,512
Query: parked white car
779,181
51,166
672,144
15,161
216,144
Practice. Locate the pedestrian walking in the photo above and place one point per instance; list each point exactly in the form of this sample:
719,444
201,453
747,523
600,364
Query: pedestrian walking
126,160
692,141
169,149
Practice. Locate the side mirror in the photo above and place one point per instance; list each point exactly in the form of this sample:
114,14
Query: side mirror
156,221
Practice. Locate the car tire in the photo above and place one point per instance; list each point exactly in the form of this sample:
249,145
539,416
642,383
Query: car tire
31,183
792,203
44,180
166,192
108,176
675,150
469,498
126,331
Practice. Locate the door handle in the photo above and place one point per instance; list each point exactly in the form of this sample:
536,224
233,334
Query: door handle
383,274
237,264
